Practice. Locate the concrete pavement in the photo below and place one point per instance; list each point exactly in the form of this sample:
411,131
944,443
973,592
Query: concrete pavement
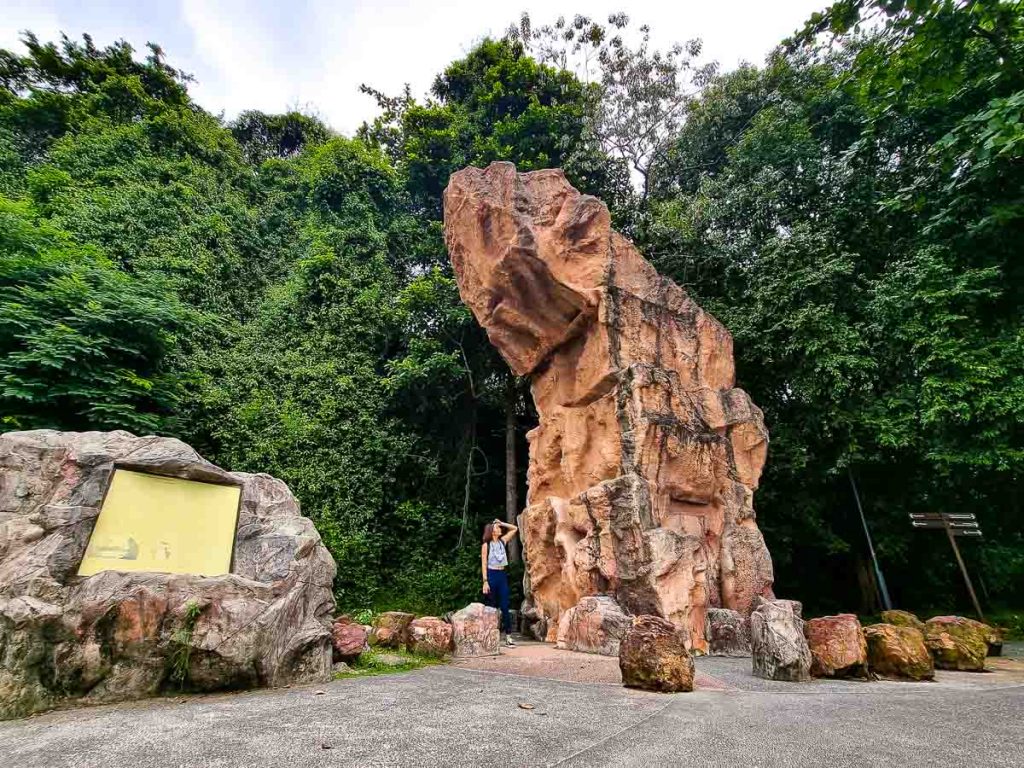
454,716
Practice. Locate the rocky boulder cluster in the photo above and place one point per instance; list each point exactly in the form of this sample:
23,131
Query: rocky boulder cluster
902,647
473,631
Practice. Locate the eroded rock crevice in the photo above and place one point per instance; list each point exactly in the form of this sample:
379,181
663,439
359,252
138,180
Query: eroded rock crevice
645,460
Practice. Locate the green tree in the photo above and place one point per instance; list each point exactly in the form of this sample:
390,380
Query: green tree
82,344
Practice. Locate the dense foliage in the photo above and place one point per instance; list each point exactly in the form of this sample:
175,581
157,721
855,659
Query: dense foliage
280,297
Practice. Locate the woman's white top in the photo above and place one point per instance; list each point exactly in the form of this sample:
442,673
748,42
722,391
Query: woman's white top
496,555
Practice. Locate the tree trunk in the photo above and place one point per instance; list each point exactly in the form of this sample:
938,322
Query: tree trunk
511,496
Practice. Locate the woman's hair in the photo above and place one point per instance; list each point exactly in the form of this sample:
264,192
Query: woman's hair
488,532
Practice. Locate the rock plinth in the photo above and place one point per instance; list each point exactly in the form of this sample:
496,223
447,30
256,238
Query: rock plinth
837,646
646,457
777,643
957,643
390,629
728,633
121,635
475,631
653,656
898,652
348,639
429,636
594,625
902,619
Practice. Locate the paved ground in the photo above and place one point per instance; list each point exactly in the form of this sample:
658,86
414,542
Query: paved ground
455,716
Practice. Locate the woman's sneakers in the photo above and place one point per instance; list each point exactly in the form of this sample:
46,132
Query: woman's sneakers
509,642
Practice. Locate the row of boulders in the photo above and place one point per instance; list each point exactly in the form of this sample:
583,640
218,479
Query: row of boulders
785,647
473,631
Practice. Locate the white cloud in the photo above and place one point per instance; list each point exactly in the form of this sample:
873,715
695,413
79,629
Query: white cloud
262,54
21,15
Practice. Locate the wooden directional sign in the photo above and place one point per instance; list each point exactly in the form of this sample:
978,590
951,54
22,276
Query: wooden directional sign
956,525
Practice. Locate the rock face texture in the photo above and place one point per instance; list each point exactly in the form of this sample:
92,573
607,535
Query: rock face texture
898,652
957,643
837,646
645,461
429,636
653,656
348,639
116,635
390,629
594,625
779,648
902,619
728,633
475,630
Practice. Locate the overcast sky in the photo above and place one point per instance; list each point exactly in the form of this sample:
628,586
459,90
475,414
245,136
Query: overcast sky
313,54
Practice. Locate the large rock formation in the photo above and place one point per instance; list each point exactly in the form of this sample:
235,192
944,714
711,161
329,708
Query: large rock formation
120,635
644,464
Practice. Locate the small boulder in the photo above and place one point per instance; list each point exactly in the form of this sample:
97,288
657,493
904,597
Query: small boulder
838,648
390,628
993,636
429,636
728,633
594,625
898,652
777,642
957,643
902,619
348,638
653,656
475,631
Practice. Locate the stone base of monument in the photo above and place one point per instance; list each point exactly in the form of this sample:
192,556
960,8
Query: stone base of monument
119,634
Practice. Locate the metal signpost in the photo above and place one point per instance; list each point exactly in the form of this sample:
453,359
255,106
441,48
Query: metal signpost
956,525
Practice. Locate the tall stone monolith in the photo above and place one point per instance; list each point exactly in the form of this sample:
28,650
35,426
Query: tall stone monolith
646,457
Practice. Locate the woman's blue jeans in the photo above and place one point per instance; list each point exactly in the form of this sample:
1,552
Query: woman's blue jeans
497,580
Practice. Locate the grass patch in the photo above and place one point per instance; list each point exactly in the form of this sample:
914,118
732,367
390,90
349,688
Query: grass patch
386,662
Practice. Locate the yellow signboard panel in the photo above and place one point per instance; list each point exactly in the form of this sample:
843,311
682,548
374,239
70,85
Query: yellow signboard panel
163,524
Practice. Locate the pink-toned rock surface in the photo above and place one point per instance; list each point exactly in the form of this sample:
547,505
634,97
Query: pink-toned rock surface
475,631
348,638
429,636
837,646
594,625
646,457
390,629
653,656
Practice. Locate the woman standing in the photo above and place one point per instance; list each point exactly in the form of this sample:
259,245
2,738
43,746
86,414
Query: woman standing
493,561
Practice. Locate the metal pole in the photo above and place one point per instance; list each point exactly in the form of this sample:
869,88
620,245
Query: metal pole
963,568
882,588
